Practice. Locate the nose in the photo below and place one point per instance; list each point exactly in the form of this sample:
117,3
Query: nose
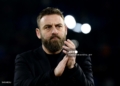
54,30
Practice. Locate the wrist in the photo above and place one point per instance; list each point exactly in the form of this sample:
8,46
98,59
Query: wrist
72,66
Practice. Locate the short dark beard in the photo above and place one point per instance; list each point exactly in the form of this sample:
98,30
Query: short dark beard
53,45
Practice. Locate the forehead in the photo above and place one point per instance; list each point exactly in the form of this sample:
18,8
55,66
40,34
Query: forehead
51,19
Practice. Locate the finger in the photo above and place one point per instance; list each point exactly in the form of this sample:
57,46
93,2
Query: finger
69,44
64,51
70,41
66,48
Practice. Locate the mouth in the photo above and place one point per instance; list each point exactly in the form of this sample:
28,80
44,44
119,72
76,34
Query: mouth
54,38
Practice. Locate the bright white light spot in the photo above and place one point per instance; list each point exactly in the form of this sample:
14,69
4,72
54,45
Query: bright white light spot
86,28
70,21
75,42
76,51
77,28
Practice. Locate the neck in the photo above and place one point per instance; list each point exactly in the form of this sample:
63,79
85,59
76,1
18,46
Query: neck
48,52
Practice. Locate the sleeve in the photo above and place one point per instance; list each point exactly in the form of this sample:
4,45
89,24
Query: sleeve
24,77
82,74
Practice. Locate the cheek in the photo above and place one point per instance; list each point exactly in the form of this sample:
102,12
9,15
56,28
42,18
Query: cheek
45,35
63,33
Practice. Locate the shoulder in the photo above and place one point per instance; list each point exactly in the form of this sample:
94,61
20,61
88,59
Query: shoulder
30,54
27,53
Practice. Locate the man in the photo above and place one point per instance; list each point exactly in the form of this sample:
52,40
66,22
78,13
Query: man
53,63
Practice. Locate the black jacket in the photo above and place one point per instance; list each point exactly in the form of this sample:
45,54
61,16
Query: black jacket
32,68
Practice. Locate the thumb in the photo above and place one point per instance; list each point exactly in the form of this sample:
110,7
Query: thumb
65,59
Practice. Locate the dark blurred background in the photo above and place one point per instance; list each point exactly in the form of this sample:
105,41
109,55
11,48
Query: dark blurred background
17,34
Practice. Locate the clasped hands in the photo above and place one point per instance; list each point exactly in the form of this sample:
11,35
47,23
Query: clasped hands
68,60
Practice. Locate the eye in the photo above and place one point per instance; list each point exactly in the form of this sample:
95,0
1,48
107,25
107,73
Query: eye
58,26
47,27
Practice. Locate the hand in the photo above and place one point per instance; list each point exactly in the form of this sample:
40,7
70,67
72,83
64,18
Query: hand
69,50
60,67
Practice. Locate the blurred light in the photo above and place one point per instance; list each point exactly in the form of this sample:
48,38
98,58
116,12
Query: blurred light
70,21
75,42
86,28
77,28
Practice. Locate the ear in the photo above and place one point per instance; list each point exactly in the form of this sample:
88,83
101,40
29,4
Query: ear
66,29
38,33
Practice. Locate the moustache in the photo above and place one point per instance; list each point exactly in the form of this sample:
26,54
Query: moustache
54,36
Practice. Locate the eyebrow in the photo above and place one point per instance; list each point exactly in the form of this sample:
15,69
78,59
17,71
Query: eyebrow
51,24
59,24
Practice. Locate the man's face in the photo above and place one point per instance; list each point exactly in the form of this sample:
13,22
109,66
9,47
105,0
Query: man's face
53,32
